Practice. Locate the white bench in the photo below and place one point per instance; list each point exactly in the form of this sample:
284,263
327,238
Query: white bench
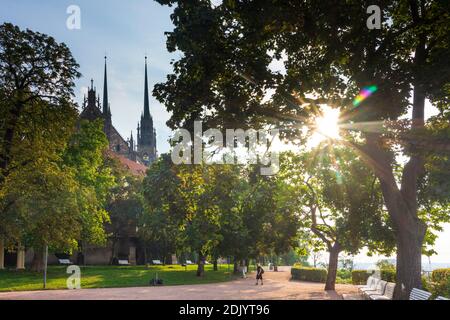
387,295
379,289
441,298
123,262
189,262
367,285
417,294
372,285
64,261
156,262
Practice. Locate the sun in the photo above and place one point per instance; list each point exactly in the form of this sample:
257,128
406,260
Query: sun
326,126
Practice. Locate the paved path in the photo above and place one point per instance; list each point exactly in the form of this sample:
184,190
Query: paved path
277,285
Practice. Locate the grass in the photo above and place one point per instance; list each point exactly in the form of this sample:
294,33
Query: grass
113,277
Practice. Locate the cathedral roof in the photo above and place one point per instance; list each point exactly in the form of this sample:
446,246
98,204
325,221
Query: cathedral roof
135,168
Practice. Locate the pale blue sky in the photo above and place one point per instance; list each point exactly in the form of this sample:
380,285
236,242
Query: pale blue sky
126,31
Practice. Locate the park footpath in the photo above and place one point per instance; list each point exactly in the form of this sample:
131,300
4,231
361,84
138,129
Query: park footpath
277,286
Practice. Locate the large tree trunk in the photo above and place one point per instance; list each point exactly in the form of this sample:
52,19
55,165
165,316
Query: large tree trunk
409,260
215,264
37,264
332,267
201,265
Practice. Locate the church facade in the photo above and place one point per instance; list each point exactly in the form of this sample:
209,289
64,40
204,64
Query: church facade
142,150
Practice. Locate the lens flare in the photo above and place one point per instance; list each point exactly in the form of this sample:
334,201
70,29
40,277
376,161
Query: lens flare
364,94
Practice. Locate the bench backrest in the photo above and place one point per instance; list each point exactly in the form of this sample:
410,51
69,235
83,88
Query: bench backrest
389,291
189,262
375,283
369,281
156,261
381,286
417,294
123,261
441,298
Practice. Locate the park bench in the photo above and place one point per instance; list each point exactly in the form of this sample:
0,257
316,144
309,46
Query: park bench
156,262
387,295
417,294
189,262
379,289
371,287
64,261
441,298
367,285
123,262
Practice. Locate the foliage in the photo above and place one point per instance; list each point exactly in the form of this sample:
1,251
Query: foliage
308,274
359,277
329,55
388,275
385,264
86,156
440,282
221,210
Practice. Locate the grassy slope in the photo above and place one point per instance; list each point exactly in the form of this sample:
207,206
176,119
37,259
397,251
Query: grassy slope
112,276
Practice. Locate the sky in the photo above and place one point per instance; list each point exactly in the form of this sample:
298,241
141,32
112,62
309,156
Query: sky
123,30
126,31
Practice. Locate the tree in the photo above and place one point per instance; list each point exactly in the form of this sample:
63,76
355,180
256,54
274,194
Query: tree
33,67
329,55
124,204
37,119
342,203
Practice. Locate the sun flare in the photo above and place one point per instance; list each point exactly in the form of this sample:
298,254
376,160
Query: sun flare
326,126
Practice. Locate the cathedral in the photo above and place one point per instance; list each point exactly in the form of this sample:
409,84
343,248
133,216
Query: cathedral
134,155
143,150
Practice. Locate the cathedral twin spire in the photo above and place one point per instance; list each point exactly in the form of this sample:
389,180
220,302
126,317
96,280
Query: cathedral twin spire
146,136
105,93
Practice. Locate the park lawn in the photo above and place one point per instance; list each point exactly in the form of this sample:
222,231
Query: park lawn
113,276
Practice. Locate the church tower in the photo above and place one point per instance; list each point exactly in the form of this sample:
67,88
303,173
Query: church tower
146,139
106,106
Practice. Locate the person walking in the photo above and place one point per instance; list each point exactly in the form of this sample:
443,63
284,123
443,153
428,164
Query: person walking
259,274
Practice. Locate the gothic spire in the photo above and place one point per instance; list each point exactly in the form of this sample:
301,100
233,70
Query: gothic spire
105,93
146,101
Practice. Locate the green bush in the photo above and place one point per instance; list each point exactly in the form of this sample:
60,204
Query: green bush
388,275
308,274
344,274
440,275
360,276
440,282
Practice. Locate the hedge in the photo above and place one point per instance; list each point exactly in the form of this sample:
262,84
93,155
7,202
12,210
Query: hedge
309,274
388,275
360,276
441,282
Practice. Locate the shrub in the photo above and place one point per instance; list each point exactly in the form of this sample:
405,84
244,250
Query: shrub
388,275
440,275
309,274
344,274
360,276
440,282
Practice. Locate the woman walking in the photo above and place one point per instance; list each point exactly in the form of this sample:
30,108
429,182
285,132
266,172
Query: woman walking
259,273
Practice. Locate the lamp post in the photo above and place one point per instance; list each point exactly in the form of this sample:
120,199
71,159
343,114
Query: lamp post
45,265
